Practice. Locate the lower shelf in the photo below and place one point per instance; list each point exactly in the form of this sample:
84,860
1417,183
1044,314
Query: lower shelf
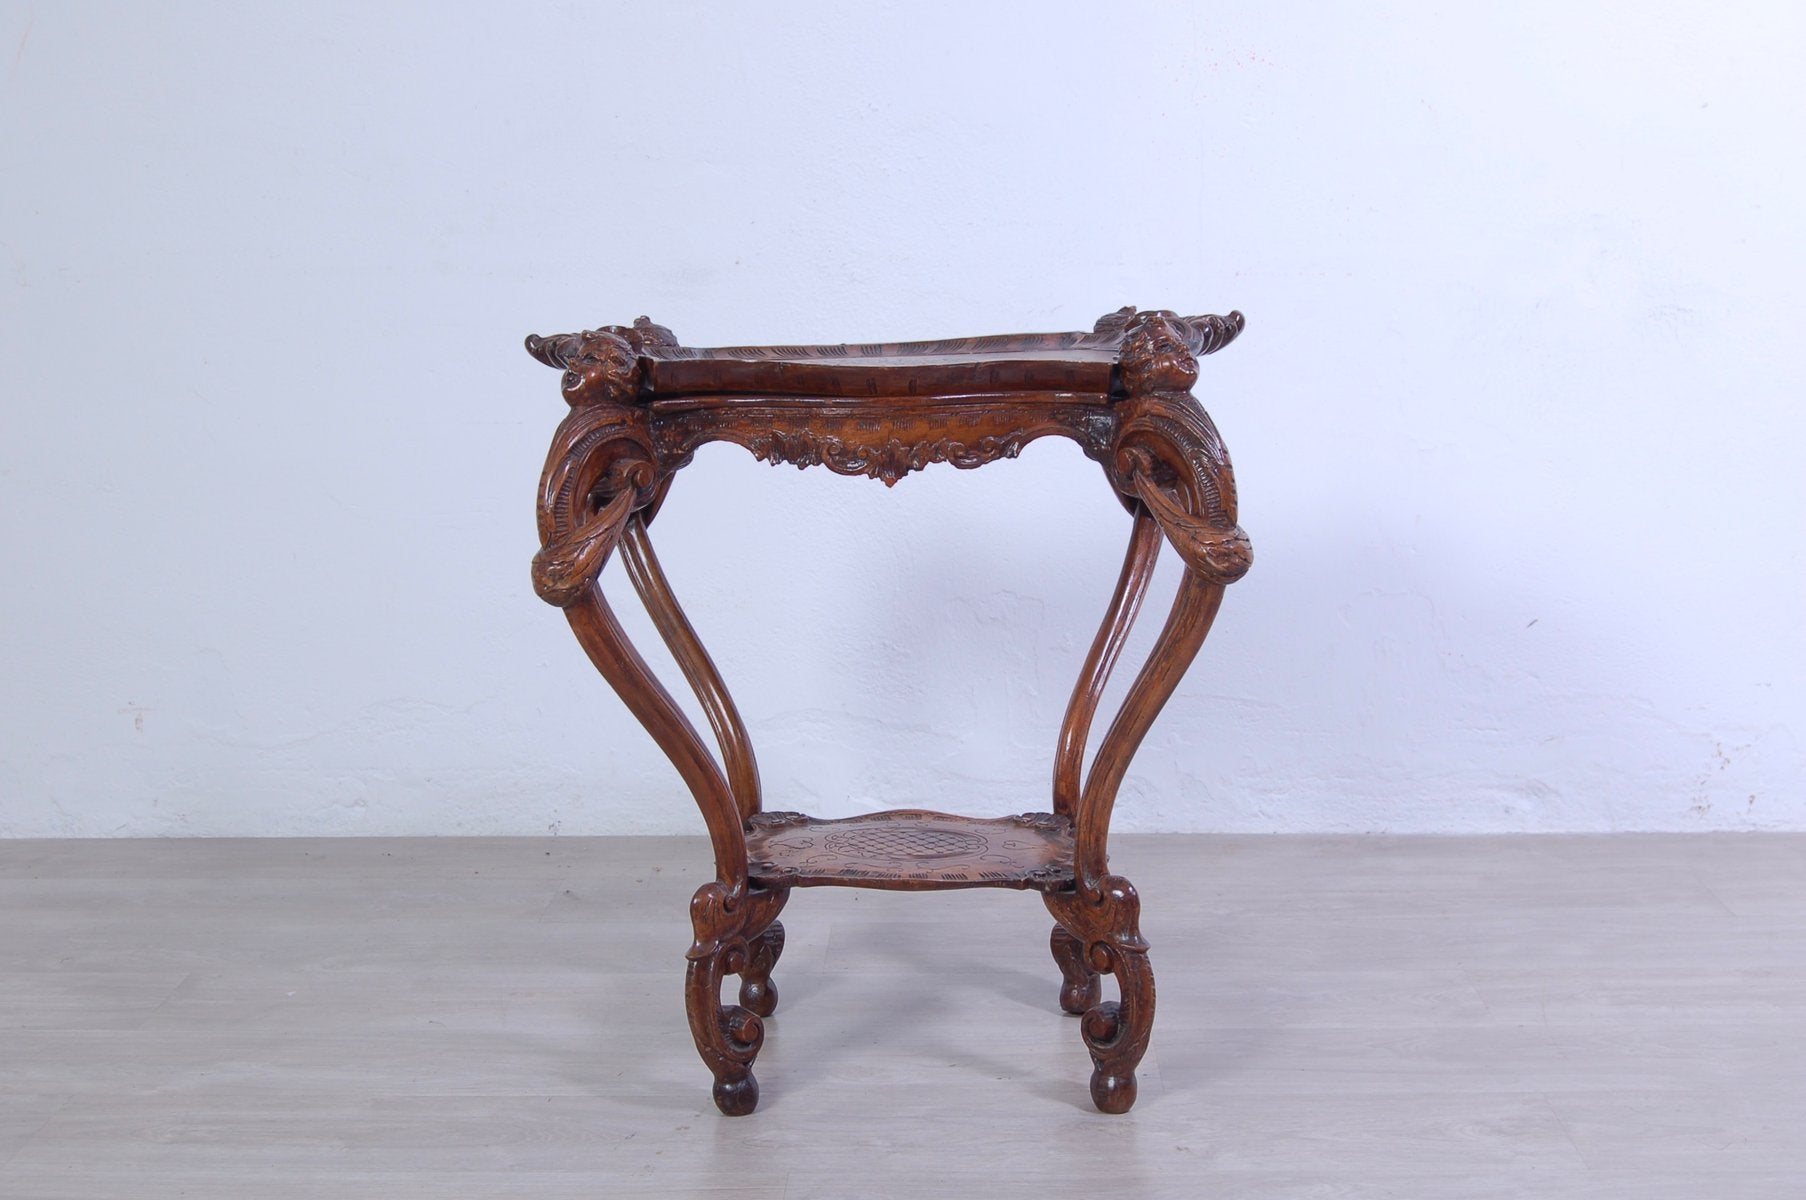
911,850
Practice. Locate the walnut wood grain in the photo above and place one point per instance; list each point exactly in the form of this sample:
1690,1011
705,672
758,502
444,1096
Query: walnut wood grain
1080,987
641,405
655,593
1107,926
884,442
911,850
1094,676
1194,608
731,928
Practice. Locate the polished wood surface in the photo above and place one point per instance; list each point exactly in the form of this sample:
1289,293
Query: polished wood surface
642,404
911,850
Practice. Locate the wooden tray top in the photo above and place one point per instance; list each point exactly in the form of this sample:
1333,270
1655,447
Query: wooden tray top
1083,364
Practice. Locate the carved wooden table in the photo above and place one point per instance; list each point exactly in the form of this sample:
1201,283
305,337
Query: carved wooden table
640,406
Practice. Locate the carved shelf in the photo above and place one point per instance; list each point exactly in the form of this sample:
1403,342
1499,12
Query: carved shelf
912,850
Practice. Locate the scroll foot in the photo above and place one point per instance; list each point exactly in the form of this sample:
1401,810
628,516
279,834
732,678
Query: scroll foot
736,934
1114,1031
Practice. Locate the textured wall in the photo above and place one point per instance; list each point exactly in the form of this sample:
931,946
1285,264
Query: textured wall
1516,416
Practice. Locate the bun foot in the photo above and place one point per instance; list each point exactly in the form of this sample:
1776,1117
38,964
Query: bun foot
757,992
1079,986
1113,1093
1076,999
738,1097
759,996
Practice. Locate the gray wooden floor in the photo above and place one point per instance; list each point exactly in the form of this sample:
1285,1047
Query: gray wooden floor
1445,1018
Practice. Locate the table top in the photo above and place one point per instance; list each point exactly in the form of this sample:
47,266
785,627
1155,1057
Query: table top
897,369
652,365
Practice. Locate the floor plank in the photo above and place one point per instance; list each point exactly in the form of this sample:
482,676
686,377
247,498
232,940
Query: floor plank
1458,1018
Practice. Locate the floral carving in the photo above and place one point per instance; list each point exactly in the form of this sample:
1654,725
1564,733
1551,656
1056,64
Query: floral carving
889,460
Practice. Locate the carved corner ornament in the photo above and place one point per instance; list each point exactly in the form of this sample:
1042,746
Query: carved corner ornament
1167,452
610,458
602,466
600,365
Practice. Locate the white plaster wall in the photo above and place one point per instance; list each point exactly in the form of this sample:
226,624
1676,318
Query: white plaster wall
1517,416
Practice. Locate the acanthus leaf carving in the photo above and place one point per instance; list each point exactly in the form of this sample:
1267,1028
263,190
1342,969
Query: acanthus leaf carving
1044,822
600,470
565,567
887,445
889,460
1169,456
1222,555
1205,334
1209,333
646,334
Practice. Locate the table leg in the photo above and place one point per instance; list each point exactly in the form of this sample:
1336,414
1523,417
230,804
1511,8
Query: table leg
757,991
1081,988
737,933
1115,1031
